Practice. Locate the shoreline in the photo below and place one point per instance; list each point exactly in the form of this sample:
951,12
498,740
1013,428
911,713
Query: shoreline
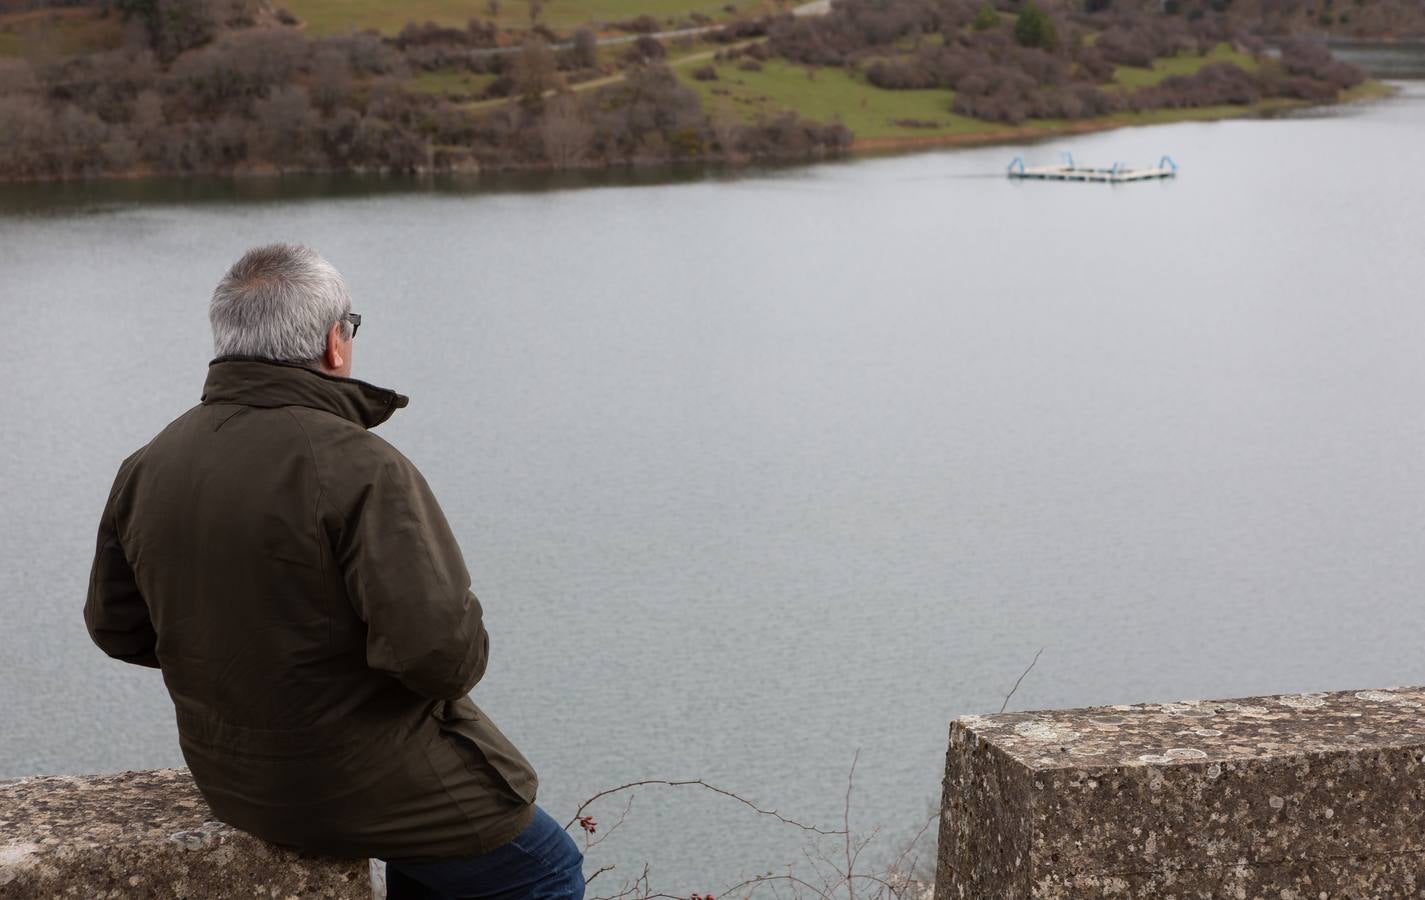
1369,92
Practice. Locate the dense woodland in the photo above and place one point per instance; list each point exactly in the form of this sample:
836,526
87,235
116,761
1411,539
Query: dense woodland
214,86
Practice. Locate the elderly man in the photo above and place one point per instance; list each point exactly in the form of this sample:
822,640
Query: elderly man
294,578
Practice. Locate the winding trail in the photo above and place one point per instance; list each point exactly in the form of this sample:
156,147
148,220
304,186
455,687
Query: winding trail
811,8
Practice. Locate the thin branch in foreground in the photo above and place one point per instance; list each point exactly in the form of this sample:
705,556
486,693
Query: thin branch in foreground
602,870
836,883
772,879
591,843
846,826
1005,704
698,782
815,863
899,867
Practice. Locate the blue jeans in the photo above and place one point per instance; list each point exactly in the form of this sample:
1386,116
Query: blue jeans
541,863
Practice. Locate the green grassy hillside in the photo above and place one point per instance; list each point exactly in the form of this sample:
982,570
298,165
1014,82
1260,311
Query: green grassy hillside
1183,64
877,115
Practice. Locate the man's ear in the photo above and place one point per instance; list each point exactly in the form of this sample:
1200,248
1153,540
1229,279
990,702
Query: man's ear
332,358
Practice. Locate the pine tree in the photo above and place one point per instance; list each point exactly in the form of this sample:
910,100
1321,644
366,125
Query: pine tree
1035,28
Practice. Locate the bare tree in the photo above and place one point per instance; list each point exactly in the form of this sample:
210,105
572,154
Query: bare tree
644,50
148,112
26,130
726,126
536,70
283,119
331,79
566,132
17,76
584,53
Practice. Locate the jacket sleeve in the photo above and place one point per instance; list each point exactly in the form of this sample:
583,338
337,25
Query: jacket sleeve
115,612
407,581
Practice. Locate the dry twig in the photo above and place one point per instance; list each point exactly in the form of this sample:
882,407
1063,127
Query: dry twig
698,782
840,880
601,870
1005,704
588,844
846,827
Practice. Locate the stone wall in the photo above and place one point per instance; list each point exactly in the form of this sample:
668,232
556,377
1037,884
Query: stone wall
1299,796
1302,796
148,835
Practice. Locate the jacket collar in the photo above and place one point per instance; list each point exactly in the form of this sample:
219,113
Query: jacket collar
252,381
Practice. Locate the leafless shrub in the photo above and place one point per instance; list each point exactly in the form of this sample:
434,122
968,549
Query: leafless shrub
566,132
17,76
331,79
832,868
644,24
1125,47
535,70
367,53
1309,59
1092,65
283,119
1212,85
583,52
643,51
906,73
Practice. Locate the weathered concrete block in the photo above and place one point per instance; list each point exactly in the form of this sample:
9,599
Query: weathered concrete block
150,835
1302,796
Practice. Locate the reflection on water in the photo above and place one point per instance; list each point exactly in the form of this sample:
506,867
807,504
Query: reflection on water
109,194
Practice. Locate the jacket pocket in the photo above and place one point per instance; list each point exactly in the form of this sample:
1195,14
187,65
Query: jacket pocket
462,720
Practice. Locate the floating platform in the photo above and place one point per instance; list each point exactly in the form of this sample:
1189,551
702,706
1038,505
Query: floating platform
1068,171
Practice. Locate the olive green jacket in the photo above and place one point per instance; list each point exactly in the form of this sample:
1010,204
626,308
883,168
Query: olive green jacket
294,578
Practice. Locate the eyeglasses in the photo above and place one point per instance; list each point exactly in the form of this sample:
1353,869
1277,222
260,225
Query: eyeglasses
355,320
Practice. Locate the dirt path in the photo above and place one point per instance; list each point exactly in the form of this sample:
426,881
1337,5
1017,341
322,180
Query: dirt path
811,8
605,81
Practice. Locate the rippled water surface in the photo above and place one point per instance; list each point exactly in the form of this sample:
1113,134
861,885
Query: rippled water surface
753,472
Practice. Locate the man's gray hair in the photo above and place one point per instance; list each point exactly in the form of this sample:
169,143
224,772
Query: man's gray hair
278,302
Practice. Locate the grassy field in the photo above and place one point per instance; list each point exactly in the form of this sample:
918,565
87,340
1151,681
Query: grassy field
828,95
875,115
449,83
58,32
1182,64
332,16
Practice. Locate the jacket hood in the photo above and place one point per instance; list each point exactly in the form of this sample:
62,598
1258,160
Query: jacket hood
252,381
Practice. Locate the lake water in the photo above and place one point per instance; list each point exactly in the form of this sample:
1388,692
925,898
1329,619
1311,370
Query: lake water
754,472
